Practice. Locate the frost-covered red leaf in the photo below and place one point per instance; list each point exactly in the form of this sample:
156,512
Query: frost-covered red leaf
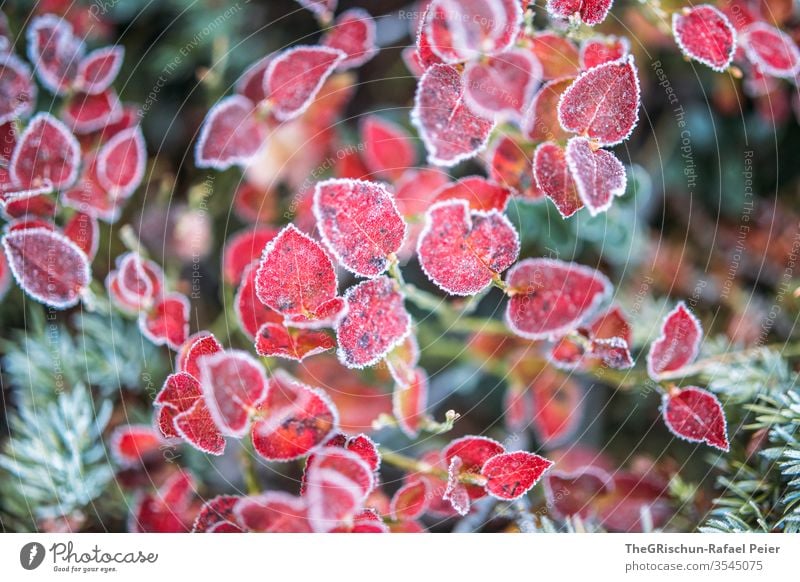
456,492
199,345
462,30
275,340
136,282
549,298
376,321
294,78
167,323
85,113
360,224
98,69
411,500
295,275
502,86
273,512
463,251
132,444
771,50
217,516
558,403
541,121
230,135
242,248
17,89
480,193
450,130
46,152
295,419
590,12
602,103
250,312
472,452
402,360
166,510
553,177
511,475
234,385
598,175
410,400
706,35
121,161
388,149
48,266
84,231
603,49
182,412
353,33
54,51
338,483
677,345
696,415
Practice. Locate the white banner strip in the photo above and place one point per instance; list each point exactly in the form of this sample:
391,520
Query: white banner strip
426,557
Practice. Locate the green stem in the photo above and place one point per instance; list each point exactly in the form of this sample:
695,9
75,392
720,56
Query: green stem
249,469
414,466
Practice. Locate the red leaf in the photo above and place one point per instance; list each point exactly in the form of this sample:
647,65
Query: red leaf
541,122
574,493
558,404
463,251
98,69
553,177
502,86
550,298
294,78
132,444
402,360
121,162
17,89
353,33
613,352
603,49
274,340
136,283
557,54
199,345
472,452
85,113
517,407
510,165
705,34
461,30
696,415
178,394
234,385
512,475
250,312
242,248
415,189
165,511
771,50
48,266
480,193
631,498
295,420
295,275
411,500
361,445
273,512
598,175
338,483
677,345
591,12
388,150
251,83
602,103
90,197
230,135
167,323
359,223
376,321
54,51
455,492
409,402
84,231
217,516
450,131
46,152
197,427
